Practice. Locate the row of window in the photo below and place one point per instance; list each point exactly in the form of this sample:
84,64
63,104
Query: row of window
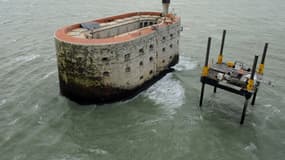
128,69
141,51
171,37
107,74
150,73
145,24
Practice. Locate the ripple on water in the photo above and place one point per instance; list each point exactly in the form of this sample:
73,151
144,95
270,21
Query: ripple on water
25,58
2,102
48,74
13,122
4,0
98,151
251,147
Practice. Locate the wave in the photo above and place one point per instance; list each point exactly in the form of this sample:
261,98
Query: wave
28,58
185,63
168,92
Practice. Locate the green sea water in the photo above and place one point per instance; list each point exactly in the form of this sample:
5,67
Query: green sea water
161,123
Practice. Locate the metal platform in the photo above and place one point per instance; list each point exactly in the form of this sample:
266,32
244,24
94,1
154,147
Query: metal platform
235,77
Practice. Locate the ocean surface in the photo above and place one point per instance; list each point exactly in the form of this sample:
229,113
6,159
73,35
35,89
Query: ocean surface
163,122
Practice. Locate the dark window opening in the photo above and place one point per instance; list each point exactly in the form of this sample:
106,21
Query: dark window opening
151,47
150,59
141,25
171,35
145,24
128,69
163,49
170,57
141,77
106,74
141,63
163,61
105,59
150,72
170,45
127,57
90,60
141,50
150,23
163,38
79,59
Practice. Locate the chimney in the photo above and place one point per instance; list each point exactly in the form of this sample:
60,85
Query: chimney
165,5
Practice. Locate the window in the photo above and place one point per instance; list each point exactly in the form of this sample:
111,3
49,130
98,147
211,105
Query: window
150,23
171,36
150,72
106,74
141,77
170,57
145,24
127,57
151,47
141,25
150,59
141,63
128,69
163,38
141,51
163,49
163,61
171,46
105,59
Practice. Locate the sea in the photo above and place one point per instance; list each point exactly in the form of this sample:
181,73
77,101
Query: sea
163,122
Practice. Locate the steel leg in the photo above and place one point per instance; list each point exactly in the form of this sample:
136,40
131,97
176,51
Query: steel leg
244,111
202,94
254,96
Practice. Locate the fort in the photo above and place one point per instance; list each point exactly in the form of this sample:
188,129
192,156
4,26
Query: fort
115,58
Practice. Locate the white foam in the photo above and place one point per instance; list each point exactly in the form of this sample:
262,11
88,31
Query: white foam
185,63
251,147
35,108
98,151
26,58
154,130
48,74
267,105
3,102
13,122
168,93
